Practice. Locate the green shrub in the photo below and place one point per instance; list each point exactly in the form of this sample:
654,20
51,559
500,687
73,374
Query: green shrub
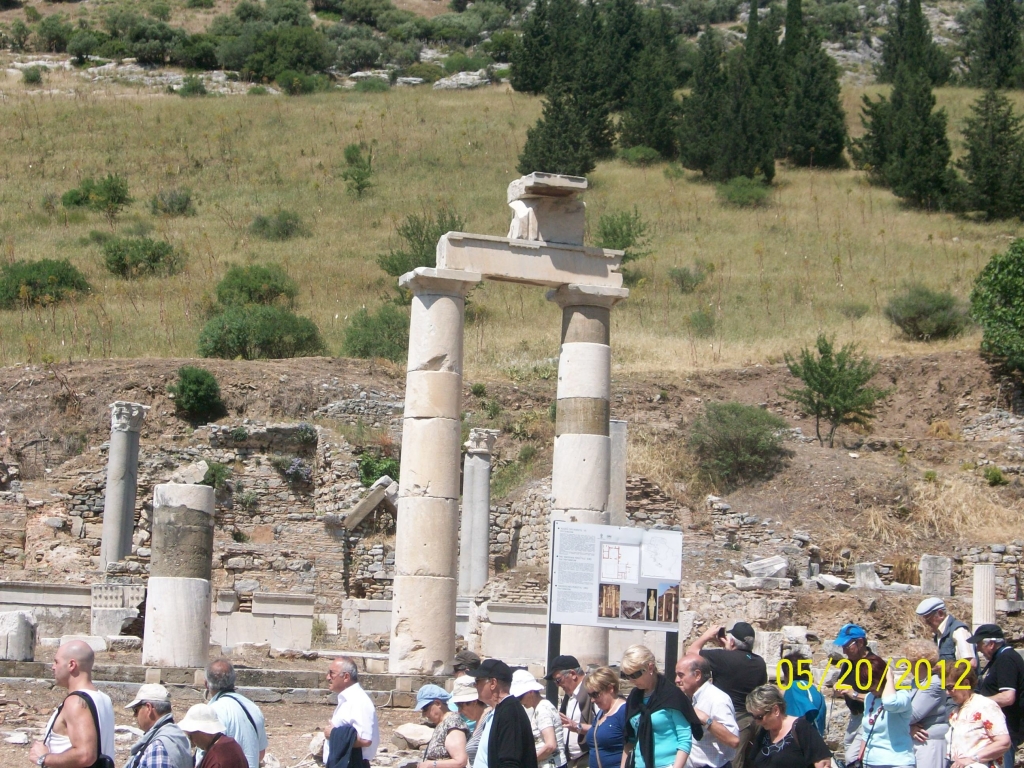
994,475
216,475
931,476
372,468
305,434
924,314
735,442
359,169
743,192
420,234
109,196
431,73
624,231
373,85
132,257
689,280
42,282
527,454
854,310
257,90
172,202
641,156
32,76
191,86
255,332
239,434
460,62
200,3
257,284
382,334
282,225
702,323
492,408
478,390
82,45
197,393
997,304
297,84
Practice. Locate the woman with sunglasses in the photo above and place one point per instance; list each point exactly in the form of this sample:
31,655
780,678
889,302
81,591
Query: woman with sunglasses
978,736
604,736
781,740
660,721
885,729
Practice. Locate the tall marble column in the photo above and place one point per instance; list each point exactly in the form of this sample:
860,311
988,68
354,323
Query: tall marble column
426,540
983,595
474,537
580,476
122,479
178,598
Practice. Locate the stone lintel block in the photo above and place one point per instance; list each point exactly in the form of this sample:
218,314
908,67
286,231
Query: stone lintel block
589,293
427,541
531,262
435,334
584,370
430,458
440,281
538,184
481,441
422,625
774,567
127,417
559,220
282,604
433,394
580,472
199,497
582,416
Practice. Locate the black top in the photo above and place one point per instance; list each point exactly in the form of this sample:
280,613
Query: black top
737,673
664,696
850,679
510,742
1006,670
800,748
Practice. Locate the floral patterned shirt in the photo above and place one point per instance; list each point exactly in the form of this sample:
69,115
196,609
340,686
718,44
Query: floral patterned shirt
435,747
973,727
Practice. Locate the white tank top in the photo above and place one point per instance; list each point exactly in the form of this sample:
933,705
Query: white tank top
57,742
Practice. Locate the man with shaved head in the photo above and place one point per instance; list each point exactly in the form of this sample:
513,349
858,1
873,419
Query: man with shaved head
82,728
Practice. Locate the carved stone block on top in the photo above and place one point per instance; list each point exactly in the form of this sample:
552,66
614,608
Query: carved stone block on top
127,417
544,207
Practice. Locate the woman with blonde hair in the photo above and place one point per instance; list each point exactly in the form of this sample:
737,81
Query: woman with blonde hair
781,740
604,736
660,721
929,717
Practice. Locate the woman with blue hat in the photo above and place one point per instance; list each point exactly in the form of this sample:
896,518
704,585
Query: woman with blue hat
447,747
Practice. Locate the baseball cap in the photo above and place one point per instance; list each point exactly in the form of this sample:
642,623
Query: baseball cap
202,718
930,605
149,692
495,668
849,632
986,632
466,660
524,682
430,693
464,690
561,664
743,632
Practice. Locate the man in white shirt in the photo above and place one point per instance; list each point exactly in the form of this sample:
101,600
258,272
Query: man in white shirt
241,718
354,708
715,709
575,708
950,634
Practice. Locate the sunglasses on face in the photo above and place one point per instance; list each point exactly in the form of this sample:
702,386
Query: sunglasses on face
592,694
759,718
634,675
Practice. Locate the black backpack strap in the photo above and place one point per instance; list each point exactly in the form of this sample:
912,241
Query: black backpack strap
245,710
95,720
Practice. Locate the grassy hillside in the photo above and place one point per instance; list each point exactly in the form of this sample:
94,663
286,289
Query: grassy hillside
826,254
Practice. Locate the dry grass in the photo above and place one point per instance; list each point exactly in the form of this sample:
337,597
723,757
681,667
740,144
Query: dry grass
664,461
961,506
827,243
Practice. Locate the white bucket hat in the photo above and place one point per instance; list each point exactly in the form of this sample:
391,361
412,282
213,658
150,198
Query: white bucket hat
464,690
524,682
149,692
202,718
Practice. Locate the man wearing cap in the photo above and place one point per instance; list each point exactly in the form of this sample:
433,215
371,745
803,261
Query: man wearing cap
714,708
206,732
949,633
507,740
464,662
354,708
1002,680
163,744
736,670
853,640
576,708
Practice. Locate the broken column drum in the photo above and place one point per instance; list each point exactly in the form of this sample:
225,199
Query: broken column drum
474,537
122,480
983,595
178,601
427,536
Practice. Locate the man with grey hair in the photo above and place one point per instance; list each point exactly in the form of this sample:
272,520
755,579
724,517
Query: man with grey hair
163,744
242,719
1002,681
736,670
355,708
714,708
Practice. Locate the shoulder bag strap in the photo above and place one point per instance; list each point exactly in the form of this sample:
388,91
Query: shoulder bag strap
245,711
95,720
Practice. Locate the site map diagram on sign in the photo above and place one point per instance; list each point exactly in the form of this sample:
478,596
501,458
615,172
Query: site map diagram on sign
615,577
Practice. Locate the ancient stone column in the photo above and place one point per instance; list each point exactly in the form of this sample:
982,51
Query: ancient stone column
474,537
983,597
122,479
580,476
427,536
178,600
617,478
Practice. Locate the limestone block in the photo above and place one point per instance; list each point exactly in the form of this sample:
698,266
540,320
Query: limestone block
936,575
426,543
433,394
108,621
17,636
153,675
794,634
124,643
584,370
744,584
580,472
549,219
411,735
177,630
832,583
184,495
768,645
93,641
538,184
435,333
771,567
865,576
193,474
422,625
430,458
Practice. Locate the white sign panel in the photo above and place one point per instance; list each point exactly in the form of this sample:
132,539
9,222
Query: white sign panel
619,578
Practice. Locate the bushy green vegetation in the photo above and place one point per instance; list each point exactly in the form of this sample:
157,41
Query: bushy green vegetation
257,284
32,76
923,314
257,332
359,168
689,279
373,467
42,283
744,193
172,202
384,333
109,196
997,304
197,393
280,225
420,233
134,257
735,443
192,86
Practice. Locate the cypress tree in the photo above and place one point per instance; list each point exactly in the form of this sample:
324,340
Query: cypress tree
590,83
994,160
871,151
815,121
649,119
768,71
747,136
793,45
997,56
622,44
531,66
702,109
558,142
908,41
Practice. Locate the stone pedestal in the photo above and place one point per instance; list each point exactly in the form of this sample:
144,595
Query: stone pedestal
474,538
580,477
936,575
617,491
17,636
984,595
178,602
426,541
122,478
